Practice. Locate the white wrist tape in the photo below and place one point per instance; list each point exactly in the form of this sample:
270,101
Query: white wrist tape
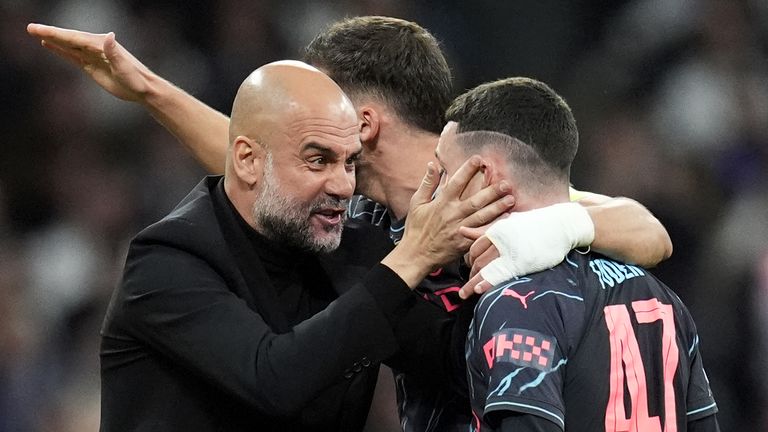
536,240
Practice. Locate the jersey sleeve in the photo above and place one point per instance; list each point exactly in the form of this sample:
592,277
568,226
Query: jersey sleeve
700,402
521,346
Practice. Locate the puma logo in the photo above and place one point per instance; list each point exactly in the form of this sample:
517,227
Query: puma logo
523,299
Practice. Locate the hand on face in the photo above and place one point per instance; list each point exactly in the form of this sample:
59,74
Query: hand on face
432,236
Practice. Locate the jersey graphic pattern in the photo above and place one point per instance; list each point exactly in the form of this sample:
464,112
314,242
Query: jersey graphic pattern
626,343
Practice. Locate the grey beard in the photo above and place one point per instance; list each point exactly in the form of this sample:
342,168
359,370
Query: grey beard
291,225
288,221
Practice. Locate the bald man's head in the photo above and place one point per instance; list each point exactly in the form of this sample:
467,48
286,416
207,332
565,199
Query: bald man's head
294,136
275,93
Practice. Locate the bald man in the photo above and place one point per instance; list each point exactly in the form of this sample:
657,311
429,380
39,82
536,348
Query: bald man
248,306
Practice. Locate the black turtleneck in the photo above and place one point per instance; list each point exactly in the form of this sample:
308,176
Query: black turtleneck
298,280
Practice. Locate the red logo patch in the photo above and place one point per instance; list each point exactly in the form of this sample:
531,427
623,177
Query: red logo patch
522,347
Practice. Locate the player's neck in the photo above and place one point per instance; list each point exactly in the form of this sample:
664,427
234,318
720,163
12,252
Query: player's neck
525,201
404,168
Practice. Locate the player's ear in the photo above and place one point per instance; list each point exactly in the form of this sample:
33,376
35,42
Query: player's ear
248,160
370,121
490,173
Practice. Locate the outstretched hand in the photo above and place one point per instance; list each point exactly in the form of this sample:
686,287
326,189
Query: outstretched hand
100,56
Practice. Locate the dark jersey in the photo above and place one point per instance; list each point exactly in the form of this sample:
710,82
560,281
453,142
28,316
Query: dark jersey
589,345
422,406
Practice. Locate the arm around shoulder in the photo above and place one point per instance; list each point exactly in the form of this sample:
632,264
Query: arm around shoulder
626,230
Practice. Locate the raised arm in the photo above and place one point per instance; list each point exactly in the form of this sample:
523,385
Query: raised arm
203,130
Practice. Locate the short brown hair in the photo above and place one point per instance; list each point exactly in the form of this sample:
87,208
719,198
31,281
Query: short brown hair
525,109
395,60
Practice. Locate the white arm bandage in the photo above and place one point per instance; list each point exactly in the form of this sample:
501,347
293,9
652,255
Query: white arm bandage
536,240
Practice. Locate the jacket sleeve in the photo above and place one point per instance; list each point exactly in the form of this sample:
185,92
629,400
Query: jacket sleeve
174,302
432,345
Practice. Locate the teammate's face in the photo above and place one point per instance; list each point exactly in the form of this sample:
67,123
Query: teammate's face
308,177
450,157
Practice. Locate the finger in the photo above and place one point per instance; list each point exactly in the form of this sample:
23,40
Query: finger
52,32
468,289
459,181
483,286
121,60
467,260
73,38
110,47
489,212
485,258
64,53
475,285
427,187
486,196
39,30
473,233
478,247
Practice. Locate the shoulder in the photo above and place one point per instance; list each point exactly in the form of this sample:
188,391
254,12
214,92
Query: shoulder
551,302
188,237
191,223
538,290
364,209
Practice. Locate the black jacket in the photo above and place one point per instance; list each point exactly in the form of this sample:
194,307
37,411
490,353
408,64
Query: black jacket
191,339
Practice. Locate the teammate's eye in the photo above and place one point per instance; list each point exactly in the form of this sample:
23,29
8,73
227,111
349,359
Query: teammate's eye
353,159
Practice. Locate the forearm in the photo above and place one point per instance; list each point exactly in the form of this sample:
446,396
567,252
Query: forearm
201,129
408,263
627,231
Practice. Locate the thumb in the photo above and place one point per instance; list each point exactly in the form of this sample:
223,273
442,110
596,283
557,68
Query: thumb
427,187
110,46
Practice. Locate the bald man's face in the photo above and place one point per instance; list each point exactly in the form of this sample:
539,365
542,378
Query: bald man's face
308,177
295,138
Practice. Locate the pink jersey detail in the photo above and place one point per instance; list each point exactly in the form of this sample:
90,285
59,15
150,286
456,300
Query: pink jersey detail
624,349
449,306
523,299
648,311
502,344
490,351
477,421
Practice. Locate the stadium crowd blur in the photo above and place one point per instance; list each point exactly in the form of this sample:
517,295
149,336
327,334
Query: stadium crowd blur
671,97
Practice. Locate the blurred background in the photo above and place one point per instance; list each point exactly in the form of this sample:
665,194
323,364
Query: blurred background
671,97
